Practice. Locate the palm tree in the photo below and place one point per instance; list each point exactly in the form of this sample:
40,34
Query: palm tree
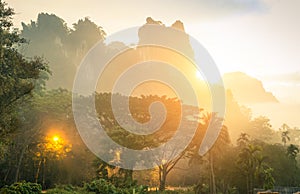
292,151
284,133
248,160
260,169
223,140
269,179
284,127
221,143
285,137
243,140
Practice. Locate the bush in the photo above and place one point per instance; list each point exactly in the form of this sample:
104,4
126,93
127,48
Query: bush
101,186
68,189
22,188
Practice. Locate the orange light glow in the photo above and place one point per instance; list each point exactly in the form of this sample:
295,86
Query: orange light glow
55,138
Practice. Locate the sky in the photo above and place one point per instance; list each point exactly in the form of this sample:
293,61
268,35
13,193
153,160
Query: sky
258,37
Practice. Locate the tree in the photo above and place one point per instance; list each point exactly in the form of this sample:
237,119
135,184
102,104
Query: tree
215,153
139,111
284,170
168,164
261,129
165,168
292,151
63,47
269,180
285,137
247,161
243,140
284,129
218,148
18,75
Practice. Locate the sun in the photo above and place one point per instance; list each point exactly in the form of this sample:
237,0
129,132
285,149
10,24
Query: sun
55,138
198,74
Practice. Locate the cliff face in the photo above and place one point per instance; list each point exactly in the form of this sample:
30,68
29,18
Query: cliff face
174,36
246,89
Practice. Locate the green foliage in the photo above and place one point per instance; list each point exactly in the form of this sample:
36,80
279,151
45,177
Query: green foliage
19,78
18,75
269,179
260,128
292,151
173,192
201,188
67,189
285,171
22,188
100,186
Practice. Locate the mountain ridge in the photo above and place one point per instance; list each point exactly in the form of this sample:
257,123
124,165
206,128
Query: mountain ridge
247,89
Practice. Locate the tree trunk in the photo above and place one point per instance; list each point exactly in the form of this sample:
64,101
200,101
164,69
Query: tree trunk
247,182
212,172
32,133
38,171
44,173
19,164
129,175
250,183
7,173
162,177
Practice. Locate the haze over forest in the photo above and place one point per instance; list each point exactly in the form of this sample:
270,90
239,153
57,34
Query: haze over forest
61,134
64,48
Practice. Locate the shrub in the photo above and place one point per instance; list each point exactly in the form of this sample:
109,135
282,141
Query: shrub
22,188
68,189
100,186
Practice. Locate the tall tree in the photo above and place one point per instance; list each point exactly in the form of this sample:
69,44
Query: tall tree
218,149
285,130
248,161
216,152
63,47
292,152
17,74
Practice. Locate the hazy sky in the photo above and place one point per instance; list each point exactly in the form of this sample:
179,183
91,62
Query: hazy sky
259,37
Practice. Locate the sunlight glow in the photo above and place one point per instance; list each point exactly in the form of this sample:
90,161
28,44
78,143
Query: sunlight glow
198,74
55,138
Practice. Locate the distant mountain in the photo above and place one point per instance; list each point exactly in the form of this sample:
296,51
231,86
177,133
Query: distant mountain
174,36
246,89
